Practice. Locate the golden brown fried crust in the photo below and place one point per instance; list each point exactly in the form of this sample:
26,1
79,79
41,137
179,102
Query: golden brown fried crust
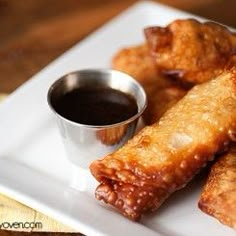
161,101
137,62
163,157
161,92
131,199
218,198
190,50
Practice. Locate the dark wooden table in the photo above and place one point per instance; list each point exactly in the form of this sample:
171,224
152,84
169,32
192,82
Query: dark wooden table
34,32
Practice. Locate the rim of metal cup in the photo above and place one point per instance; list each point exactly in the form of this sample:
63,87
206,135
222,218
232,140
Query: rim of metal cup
111,71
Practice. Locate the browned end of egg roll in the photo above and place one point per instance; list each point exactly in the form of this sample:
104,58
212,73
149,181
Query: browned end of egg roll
164,157
190,50
218,197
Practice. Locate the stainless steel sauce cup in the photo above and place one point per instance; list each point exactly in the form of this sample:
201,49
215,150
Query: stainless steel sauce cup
85,143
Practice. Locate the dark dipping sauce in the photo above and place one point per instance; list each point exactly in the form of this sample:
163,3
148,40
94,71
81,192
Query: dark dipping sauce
96,106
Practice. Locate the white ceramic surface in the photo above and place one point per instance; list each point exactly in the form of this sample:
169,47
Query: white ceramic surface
33,166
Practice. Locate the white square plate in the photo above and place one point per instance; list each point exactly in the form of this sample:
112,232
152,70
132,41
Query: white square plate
33,166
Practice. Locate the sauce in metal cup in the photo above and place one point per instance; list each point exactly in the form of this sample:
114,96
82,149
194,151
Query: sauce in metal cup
96,110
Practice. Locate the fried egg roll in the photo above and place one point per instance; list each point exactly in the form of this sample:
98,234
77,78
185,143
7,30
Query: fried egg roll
218,198
190,50
162,93
165,156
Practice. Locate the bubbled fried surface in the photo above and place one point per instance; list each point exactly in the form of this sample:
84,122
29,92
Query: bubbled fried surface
160,101
161,92
137,62
218,198
168,154
130,199
190,50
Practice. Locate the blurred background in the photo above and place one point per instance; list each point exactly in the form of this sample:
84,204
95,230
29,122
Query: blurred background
34,32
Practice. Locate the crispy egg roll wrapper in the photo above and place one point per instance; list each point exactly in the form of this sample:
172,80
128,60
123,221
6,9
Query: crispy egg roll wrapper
164,157
162,93
190,50
218,197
